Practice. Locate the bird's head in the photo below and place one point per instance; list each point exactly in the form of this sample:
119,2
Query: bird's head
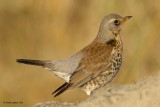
111,26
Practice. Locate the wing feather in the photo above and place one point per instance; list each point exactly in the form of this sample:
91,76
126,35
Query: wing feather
96,60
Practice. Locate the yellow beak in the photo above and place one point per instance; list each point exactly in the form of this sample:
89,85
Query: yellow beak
126,18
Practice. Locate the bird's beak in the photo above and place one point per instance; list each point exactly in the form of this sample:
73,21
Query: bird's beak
126,18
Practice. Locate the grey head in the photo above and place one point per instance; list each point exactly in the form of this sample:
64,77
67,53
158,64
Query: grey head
111,26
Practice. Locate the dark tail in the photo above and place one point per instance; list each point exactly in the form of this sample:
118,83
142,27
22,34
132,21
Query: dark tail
61,89
31,62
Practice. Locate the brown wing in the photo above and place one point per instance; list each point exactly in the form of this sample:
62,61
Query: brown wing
95,61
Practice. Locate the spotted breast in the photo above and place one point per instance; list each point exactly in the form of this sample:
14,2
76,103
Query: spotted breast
113,68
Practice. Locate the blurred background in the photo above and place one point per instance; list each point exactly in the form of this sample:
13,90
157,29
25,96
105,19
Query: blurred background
56,29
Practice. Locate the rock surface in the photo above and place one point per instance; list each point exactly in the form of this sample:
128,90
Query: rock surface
145,93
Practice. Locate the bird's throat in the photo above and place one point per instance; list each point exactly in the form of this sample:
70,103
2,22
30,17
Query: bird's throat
111,42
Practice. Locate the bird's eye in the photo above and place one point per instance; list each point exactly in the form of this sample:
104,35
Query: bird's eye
116,22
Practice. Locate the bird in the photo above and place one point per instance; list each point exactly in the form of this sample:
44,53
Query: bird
94,65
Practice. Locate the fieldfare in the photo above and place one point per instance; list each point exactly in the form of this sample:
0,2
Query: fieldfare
93,66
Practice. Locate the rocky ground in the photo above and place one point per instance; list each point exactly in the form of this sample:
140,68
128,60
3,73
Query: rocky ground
145,93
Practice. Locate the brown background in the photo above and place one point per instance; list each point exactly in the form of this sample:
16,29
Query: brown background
56,29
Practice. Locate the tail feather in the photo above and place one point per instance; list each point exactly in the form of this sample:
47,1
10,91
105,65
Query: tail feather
48,65
31,62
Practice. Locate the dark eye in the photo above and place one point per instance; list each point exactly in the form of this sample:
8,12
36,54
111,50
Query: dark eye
116,22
